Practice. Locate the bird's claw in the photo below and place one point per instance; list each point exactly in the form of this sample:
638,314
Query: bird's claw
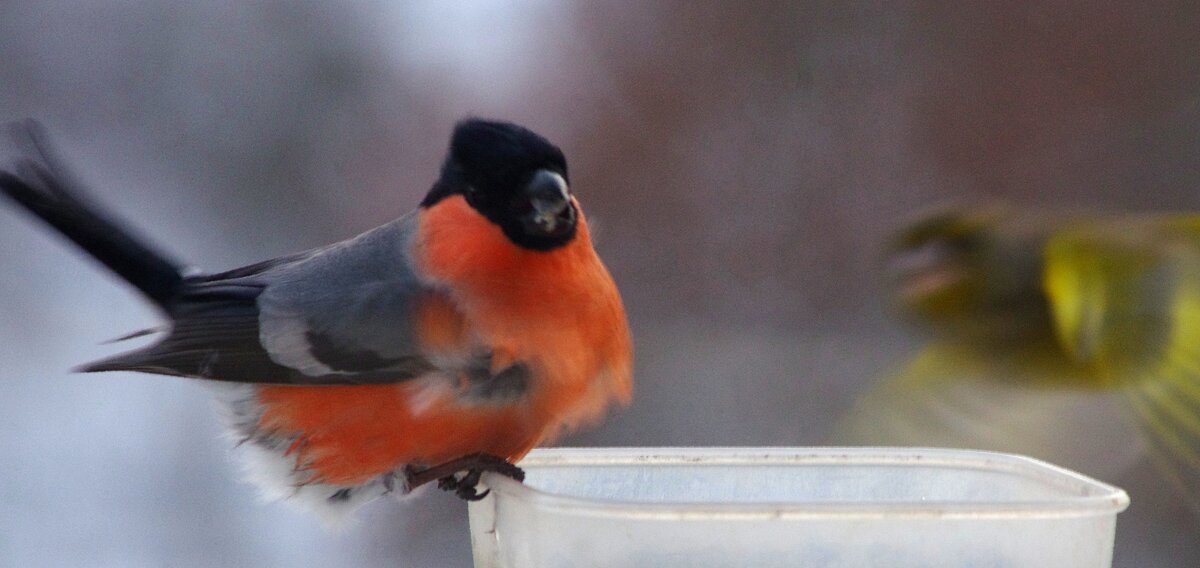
462,475
466,487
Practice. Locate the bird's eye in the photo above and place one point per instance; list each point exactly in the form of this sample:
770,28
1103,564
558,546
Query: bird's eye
473,195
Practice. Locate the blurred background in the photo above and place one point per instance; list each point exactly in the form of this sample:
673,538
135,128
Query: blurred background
742,164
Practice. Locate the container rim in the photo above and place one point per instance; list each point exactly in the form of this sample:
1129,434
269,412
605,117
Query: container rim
1094,498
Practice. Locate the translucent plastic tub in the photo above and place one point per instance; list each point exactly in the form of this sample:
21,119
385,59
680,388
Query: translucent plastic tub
765,507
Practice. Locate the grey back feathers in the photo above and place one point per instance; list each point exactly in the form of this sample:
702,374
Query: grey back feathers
340,314
347,309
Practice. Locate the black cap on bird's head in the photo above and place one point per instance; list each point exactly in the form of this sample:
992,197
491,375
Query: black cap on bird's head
971,271
513,177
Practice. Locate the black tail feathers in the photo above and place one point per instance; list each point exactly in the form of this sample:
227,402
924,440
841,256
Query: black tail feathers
40,184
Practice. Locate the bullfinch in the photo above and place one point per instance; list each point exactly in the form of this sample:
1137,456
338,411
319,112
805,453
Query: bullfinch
1035,320
445,343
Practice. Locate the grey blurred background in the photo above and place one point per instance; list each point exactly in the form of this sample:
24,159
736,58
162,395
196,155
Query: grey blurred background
741,162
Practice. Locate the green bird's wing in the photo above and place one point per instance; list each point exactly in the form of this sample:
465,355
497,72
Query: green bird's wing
1125,298
955,394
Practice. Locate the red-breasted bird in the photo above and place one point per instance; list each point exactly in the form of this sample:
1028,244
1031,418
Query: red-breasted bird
1035,321
449,341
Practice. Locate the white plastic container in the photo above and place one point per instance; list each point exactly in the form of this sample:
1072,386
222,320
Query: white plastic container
765,507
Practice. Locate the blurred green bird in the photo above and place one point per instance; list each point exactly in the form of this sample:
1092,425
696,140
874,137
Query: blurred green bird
1074,340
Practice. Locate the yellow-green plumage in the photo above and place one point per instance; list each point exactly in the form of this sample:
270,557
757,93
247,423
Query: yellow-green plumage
1051,337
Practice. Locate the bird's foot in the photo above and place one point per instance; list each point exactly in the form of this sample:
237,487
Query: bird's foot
470,467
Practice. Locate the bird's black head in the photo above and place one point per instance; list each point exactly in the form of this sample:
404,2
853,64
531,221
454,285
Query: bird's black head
512,176
973,272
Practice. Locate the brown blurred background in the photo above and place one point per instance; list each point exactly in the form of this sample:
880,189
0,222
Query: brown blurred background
742,163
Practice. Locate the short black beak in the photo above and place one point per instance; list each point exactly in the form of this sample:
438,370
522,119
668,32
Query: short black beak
550,201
